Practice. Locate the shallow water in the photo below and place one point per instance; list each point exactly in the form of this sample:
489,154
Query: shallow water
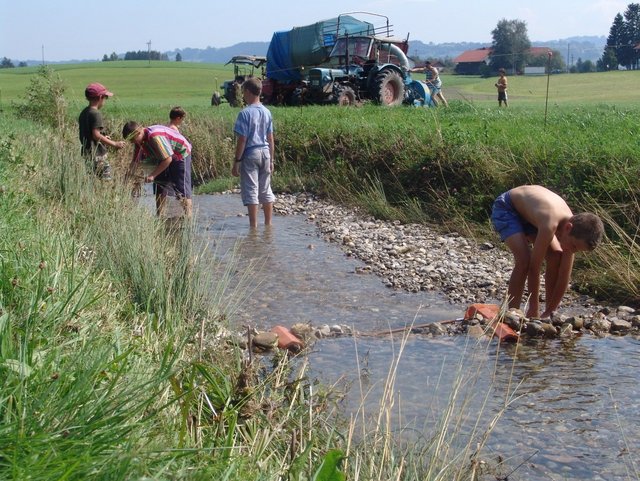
574,409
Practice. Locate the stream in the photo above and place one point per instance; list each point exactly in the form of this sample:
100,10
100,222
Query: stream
573,404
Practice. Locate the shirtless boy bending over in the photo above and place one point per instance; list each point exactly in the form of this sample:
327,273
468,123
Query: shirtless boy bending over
532,214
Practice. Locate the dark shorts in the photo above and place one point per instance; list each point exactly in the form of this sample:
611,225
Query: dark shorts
506,220
175,180
502,95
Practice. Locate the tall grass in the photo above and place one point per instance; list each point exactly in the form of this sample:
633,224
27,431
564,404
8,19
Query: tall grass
106,374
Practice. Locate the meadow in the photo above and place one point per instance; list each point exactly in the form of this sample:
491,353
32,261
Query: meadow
108,373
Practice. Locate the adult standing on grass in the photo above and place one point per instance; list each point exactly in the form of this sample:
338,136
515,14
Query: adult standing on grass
533,214
255,151
171,151
501,85
91,127
434,82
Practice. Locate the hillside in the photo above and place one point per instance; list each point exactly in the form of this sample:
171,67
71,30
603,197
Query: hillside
585,48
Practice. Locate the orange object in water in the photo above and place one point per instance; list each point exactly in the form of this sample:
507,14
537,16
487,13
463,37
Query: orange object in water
490,313
487,311
286,340
504,332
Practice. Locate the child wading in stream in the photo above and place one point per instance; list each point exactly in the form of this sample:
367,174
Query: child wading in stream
172,154
533,214
254,153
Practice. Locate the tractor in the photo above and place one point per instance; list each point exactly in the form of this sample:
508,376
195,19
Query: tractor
244,67
366,65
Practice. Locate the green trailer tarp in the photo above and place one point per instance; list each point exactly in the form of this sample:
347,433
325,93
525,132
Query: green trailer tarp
309,46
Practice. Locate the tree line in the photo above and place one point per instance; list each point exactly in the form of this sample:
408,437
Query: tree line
139,55
623,42
7,63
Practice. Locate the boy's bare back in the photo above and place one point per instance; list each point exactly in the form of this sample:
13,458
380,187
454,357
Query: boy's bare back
540,207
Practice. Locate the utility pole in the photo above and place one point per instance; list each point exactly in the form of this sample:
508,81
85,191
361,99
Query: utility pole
568,50
43,55
149,52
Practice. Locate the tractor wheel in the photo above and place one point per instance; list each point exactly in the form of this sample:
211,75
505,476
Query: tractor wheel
215,99
346,96
390,88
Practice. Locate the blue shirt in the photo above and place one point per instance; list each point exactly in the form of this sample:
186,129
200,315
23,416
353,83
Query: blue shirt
254,123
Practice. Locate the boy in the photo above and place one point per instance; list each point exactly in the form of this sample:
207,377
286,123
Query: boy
176,117
91,125
433,80
501,85
533,214
172,152
254,153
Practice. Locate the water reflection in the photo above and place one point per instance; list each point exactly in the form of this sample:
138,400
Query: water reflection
574,405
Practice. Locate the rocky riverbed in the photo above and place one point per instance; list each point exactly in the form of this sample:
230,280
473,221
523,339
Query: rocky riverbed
416,257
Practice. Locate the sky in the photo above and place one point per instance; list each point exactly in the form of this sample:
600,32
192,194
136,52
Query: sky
63,30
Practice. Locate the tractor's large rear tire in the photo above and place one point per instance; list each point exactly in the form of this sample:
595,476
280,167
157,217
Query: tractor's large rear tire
345,96
389,88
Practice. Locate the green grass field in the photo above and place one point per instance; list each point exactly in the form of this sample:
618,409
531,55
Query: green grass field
134,83
140,83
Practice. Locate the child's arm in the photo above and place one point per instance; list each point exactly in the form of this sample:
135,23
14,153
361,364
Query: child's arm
561,283
241,142
98,137
544,238
162,166
272,148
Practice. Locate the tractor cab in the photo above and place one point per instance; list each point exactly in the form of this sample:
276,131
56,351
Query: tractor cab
244,67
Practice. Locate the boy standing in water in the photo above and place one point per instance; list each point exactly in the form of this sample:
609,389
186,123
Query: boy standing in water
172,154
533,214
90,126
255,151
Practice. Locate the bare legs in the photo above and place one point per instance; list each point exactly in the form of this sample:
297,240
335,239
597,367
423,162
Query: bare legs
253,214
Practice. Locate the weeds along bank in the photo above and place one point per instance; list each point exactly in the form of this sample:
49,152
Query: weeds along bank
105,372
110,369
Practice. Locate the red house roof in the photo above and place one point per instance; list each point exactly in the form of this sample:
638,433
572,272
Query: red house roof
539,51
472,56
483,54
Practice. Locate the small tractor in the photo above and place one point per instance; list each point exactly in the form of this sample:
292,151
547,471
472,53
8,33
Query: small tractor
368,65
244,67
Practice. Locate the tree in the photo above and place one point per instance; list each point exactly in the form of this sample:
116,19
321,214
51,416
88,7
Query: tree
113,57
178,57
22,64
510,45
614,41
631,36
556,62
6,63
624,36
105,58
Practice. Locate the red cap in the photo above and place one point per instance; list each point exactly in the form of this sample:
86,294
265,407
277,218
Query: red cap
96,90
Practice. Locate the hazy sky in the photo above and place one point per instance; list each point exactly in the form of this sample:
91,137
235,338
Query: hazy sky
73,29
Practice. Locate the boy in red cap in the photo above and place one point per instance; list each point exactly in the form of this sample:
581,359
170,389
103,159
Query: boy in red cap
91,125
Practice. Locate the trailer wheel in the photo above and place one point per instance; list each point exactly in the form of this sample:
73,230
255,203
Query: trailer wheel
345,96
215,99
390,88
